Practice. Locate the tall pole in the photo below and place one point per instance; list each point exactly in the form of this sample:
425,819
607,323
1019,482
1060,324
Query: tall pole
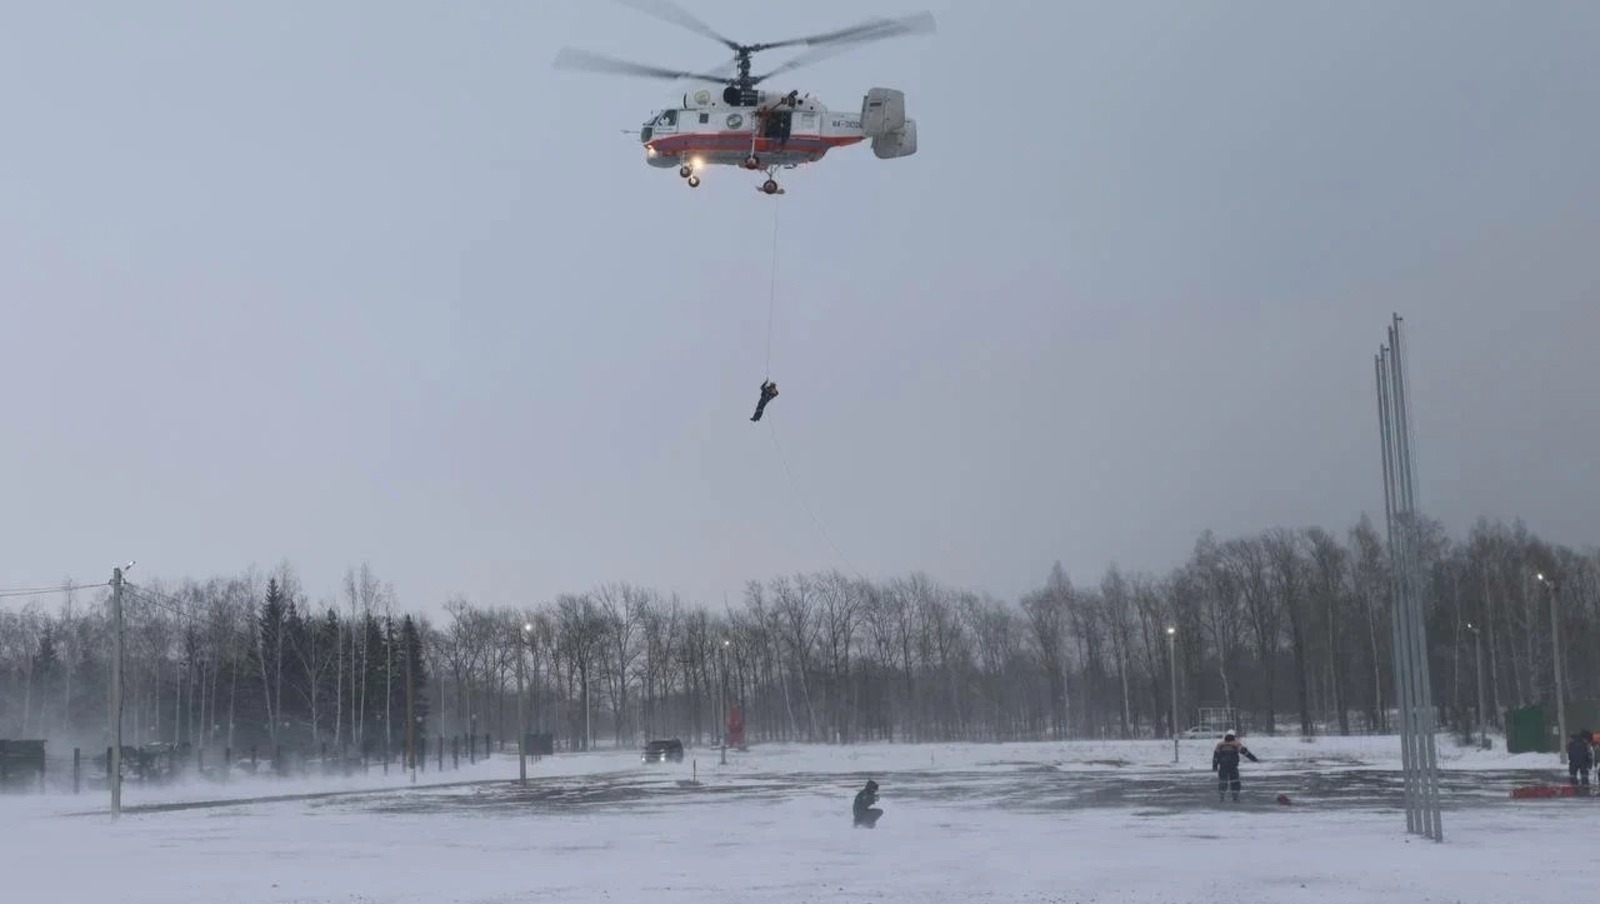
1477,654
723,658
1555,655
1172,662
1392,507
114,764
522,714
1413,681
1427,717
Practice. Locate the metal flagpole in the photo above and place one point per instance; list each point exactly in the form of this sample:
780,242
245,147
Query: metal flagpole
1427,714
1413,678
1402,670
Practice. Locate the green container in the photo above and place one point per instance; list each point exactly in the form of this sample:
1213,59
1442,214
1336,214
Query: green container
1536,729
1529,731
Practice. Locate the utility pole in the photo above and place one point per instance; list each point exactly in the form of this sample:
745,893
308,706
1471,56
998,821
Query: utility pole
1477,654
1172,661
1555,654
114,763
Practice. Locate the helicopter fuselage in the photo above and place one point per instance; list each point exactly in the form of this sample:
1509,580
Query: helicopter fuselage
776,130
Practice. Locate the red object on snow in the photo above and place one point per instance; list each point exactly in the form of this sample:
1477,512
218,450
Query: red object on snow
1534,792
735,727
1283,799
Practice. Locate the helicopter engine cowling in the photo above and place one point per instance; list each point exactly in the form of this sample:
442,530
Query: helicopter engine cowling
883,111
734,97
900,143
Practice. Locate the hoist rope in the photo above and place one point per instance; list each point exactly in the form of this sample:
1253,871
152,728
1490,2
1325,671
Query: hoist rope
772,287
772,433
795,486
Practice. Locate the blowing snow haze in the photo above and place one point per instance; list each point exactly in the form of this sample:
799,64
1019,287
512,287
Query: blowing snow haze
337,284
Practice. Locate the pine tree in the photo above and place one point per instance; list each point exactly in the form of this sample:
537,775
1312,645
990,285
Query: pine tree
269,654
374,680
46,674
413,665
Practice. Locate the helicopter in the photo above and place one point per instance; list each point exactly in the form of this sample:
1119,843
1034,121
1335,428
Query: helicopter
755,129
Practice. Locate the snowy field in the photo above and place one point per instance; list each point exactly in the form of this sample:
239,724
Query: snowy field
1052,822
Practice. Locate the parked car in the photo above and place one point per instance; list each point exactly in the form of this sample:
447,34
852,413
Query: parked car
663,751
1200,731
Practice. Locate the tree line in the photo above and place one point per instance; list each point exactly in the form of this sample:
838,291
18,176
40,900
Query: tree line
1288,629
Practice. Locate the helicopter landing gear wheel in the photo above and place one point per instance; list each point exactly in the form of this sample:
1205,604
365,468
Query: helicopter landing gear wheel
685,172
694,181
770,187
752,162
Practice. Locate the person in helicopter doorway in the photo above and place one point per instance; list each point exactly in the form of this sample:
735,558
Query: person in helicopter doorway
778,122
865,813
1225,763
1580,758
769,391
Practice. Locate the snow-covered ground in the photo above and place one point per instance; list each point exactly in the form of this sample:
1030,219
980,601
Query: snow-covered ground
964,822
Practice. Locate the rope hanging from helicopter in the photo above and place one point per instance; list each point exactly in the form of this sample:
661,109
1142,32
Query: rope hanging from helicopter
772,291
772,431
740,94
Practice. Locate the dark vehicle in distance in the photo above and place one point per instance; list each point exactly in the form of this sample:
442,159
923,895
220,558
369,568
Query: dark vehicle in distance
663,751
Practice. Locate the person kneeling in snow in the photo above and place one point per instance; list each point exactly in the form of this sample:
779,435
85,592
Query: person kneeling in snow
1225,763
866,814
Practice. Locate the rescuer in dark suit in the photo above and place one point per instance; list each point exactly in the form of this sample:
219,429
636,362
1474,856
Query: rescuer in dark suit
1225,763
866,814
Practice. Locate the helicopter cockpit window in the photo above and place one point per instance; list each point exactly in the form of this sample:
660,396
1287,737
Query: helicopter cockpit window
669,118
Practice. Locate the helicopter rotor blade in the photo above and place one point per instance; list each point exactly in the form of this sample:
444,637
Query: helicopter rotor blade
808,58
668,11
870,30
586,61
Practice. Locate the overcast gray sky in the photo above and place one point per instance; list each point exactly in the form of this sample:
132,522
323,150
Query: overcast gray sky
344,281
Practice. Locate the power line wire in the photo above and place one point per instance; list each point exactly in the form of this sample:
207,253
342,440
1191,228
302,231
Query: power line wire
44,591
166,603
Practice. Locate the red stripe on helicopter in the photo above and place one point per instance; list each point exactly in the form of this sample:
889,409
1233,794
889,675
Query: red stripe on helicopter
740,141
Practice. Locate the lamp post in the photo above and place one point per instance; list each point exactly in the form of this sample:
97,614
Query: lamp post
723,654
1555,654
522,710
1477,655
1172,662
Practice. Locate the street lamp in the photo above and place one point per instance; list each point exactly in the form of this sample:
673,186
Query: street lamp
724,657
1477,654
522,711
1172,662
1555,654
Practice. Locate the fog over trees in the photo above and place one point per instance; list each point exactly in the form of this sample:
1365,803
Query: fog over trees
1291,627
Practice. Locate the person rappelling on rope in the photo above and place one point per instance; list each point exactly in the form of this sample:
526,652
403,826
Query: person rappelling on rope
769,391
